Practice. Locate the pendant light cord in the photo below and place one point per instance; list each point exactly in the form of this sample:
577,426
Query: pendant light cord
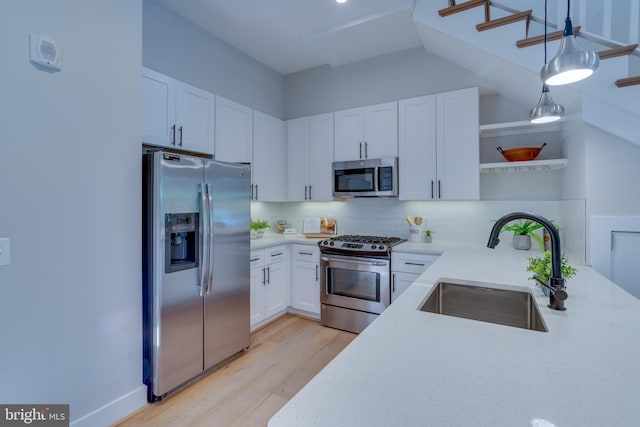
545,32
568,7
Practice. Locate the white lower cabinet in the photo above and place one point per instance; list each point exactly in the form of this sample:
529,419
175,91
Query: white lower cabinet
406,267
306,278
269,282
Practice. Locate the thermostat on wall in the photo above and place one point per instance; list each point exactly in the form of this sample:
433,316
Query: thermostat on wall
44,51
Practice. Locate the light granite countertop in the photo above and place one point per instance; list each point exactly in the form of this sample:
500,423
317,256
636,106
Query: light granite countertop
273,239
412,368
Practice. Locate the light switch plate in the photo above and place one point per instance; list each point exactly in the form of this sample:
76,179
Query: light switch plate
5,251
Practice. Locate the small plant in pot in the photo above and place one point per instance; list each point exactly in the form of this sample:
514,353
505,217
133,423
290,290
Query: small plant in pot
523,231
258,227
540,266
427,238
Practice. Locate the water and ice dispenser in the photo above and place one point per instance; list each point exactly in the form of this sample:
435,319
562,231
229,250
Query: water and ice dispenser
181,242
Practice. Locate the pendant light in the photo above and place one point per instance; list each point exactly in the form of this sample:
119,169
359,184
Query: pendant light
571,63
546,110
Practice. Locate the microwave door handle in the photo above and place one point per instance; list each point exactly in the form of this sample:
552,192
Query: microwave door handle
376,178
204,240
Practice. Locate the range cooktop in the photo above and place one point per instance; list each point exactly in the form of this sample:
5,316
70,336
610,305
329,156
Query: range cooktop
360,244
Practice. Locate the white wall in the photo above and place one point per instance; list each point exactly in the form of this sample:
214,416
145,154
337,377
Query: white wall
175,46
404,74
70,311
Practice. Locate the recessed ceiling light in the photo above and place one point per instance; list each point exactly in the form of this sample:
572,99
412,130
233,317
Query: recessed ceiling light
341,1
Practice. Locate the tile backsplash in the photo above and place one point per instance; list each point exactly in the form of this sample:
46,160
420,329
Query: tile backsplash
464,221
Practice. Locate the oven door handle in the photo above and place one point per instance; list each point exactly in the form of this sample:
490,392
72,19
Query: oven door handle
354,260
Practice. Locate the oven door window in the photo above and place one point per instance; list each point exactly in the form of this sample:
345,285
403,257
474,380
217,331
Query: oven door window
363,285
355,180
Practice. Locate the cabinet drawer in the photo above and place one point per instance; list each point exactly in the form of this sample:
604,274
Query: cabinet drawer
306,253
410,262
275,254
256,258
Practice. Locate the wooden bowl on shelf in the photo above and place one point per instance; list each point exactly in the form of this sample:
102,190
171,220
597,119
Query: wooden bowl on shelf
522,154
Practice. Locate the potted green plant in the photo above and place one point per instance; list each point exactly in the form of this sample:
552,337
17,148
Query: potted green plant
540,266
427,236
523,231
258,227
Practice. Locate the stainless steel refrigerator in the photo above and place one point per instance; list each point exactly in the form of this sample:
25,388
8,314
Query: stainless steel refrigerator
195,266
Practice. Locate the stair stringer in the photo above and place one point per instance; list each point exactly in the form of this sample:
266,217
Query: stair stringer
514,72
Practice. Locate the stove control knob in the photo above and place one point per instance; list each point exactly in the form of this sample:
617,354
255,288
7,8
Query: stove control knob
331,243
373,246
381,247
324,242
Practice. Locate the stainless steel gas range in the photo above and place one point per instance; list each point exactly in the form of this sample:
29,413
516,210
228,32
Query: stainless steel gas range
355,283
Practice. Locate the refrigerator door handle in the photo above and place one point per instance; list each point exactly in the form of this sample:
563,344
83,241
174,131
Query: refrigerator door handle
210,240
204,240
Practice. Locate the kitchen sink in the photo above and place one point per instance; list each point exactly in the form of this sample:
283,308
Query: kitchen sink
486,302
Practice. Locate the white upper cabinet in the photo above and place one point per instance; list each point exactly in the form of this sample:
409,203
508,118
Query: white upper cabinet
366,132
175,114
234,131
269,174
438,145
310,154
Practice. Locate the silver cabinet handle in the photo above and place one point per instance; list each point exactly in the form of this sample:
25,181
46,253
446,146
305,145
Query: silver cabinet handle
317,268
277,254
256,198
269,275
254,259
415,263
360,155
439,192
393,283
305,253
180,130
366,150
264,276
305,192
309,192
173,131
432,189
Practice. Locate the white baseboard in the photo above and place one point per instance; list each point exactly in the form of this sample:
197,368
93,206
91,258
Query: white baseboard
115,410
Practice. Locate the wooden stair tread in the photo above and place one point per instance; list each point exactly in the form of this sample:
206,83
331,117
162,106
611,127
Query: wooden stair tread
618,51
556,35
521,16
456,8
628,81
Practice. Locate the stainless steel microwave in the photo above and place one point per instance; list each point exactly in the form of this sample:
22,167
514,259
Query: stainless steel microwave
366,178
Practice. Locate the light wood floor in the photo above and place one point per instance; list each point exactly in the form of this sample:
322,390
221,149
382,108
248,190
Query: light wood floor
248,390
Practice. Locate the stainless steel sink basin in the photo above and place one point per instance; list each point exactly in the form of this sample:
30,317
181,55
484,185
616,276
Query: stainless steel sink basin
486,302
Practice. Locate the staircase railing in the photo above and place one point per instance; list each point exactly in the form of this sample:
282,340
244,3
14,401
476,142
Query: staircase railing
600,22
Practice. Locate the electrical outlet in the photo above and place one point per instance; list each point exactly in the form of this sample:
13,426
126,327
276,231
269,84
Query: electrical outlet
5,251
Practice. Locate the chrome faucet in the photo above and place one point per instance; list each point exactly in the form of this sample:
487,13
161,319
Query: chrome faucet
557,289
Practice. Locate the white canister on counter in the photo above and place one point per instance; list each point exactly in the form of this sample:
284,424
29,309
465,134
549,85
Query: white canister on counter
416,232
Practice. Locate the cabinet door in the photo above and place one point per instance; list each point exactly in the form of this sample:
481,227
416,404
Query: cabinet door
257,281
158,109
417,148
234,131
297,159
269,154
381,130
458,145
194,118
400,282
276,294
349,134
306,286
320,157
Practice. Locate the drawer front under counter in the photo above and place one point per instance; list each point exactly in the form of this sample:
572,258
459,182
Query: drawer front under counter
411,262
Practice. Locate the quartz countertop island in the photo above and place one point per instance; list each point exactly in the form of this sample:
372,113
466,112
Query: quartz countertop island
412,368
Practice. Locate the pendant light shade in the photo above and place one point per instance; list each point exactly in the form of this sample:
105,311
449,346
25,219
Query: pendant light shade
571,63
546,110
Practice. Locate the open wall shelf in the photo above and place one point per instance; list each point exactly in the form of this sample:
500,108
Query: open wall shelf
517,128
530,166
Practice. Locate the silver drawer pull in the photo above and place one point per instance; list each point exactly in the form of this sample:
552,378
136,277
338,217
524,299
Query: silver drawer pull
415,263
305,253
254,259
277,254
